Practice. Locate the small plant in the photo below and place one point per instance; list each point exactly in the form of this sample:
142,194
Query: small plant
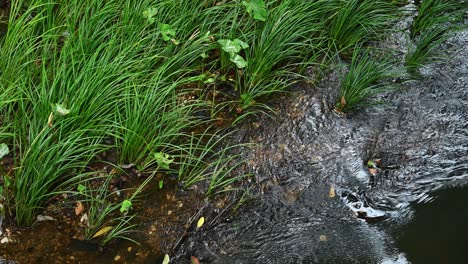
256,9
364,79
104,217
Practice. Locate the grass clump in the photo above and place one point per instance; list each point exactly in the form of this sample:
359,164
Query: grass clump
354,22
365,78
436,21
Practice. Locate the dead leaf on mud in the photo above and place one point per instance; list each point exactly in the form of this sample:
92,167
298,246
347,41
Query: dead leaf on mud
84,219
102,231
43,218
79,208
332,194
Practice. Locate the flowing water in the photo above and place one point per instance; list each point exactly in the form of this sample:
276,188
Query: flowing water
321,204
318,201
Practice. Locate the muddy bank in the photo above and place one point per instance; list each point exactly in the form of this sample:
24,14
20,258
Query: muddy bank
420,137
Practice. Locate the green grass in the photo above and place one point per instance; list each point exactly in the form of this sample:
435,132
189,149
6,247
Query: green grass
365,78
435,22
353,22
80,79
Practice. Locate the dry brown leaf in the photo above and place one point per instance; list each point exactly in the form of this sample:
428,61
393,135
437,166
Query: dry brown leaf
342,101
102,231
79,208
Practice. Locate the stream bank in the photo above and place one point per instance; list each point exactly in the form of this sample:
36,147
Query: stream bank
420,138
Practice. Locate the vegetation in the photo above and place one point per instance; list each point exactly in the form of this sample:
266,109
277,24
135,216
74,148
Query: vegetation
434,23
365,78
132,84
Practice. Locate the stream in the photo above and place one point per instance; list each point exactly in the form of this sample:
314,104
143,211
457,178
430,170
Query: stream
319,203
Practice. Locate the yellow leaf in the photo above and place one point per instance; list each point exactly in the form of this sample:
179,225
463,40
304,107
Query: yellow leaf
50,120
102,231
200,222
166,259
323,238
331,194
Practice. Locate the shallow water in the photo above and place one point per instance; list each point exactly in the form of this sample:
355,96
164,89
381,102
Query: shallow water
421,139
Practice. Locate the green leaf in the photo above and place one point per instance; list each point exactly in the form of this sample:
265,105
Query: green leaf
167,31
163,160
239,61
4,150
241,43
149,14
126,205
256,9
166,259
60,109
229,46
81,188
161,184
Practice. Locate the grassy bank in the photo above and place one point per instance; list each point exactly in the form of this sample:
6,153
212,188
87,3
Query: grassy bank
143,85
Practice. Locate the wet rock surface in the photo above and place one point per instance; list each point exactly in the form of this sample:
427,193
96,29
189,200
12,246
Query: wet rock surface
308,151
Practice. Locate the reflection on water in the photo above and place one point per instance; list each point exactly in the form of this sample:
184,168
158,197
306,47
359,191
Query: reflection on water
438,232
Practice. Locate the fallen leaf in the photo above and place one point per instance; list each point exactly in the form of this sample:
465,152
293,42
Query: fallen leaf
194,260
43,218
373,171
79,208
84,219
343,101
323,238
102,231
50,120
200,222
331,194
116,258
166,259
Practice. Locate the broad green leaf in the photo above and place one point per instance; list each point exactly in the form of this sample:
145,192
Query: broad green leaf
256,9
163,160
149,14
167,31
126,205
4,150
241,43
229,46
60,109
239,61
102,231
